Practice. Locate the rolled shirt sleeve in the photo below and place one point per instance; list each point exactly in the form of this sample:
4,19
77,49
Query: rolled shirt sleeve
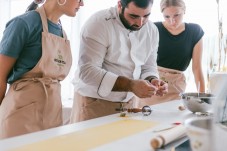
107,84
94,47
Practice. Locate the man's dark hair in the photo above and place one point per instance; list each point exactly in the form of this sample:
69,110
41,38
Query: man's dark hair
138,3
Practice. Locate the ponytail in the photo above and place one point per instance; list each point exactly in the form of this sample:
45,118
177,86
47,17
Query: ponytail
34,5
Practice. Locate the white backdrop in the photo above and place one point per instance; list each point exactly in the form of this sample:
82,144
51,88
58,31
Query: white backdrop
203,12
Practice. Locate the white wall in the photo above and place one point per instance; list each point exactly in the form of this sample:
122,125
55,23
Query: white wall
203,12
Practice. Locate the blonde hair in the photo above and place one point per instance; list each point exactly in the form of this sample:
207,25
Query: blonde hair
167,3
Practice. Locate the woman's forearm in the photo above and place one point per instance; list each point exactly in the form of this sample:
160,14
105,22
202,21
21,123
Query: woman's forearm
3,86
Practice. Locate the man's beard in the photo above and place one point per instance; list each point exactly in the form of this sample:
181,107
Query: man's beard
126,23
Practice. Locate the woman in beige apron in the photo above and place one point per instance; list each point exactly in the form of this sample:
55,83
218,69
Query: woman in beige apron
33,102
180,43
176,85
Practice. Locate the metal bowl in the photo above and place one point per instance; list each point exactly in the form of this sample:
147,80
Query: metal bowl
198,102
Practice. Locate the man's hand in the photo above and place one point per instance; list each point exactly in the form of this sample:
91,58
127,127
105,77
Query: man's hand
143,88
162,87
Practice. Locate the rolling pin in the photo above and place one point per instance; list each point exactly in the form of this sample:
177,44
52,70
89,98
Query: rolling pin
168,136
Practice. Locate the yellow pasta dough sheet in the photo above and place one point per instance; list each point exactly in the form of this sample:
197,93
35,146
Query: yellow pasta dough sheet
91,137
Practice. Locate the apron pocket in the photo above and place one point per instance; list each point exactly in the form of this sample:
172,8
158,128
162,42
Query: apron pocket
26,112
21,121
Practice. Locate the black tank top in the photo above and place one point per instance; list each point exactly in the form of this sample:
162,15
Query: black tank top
175,51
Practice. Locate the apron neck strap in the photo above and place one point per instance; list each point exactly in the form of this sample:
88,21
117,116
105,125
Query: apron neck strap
63,31
42,13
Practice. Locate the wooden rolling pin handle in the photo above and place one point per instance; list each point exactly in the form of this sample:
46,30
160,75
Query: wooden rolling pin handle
157,142
134,110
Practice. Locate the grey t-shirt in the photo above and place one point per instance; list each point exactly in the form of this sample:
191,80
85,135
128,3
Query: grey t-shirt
22,40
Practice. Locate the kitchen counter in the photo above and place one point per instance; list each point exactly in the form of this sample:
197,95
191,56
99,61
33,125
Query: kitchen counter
136,138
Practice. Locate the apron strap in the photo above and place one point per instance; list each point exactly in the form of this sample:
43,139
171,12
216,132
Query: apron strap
63,31
19,84
42,13
64,34
168,70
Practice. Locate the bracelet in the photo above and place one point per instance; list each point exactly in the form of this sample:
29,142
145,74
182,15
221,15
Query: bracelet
150,78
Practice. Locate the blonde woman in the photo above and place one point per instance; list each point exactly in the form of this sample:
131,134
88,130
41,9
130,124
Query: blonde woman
179,44
35,56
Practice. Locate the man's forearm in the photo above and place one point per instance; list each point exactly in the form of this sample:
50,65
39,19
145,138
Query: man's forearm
122,84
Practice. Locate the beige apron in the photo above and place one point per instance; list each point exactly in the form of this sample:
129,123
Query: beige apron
33,103
176,84
85,108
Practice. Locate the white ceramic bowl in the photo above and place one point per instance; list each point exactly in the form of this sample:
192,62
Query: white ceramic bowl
199,133
198,102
